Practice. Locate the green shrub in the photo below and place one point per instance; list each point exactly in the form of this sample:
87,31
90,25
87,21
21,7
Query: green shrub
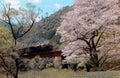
73,66
35,62
42,65
24,65
88,65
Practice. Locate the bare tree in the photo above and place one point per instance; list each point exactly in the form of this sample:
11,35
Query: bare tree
20,22
23,18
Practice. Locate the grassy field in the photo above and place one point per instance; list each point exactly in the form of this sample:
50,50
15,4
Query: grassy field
54,73
49,73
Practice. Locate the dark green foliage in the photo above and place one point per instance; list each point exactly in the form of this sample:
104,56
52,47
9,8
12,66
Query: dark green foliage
88,66
73,66
24,65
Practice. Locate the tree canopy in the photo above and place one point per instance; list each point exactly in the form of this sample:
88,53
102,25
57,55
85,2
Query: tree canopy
86,17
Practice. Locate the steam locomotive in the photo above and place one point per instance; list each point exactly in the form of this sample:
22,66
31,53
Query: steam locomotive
36,49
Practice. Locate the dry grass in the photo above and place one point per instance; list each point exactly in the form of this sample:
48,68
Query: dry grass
54,73
49,73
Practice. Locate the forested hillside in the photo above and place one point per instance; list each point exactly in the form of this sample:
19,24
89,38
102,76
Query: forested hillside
45,29
53,21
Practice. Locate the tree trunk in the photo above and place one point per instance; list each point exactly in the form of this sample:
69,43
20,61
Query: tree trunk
96,61
17,68
16,76
97,65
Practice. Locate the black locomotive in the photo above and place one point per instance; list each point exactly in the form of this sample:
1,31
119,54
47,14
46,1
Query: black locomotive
36,49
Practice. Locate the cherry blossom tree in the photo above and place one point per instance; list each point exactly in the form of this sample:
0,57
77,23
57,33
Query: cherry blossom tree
86,21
